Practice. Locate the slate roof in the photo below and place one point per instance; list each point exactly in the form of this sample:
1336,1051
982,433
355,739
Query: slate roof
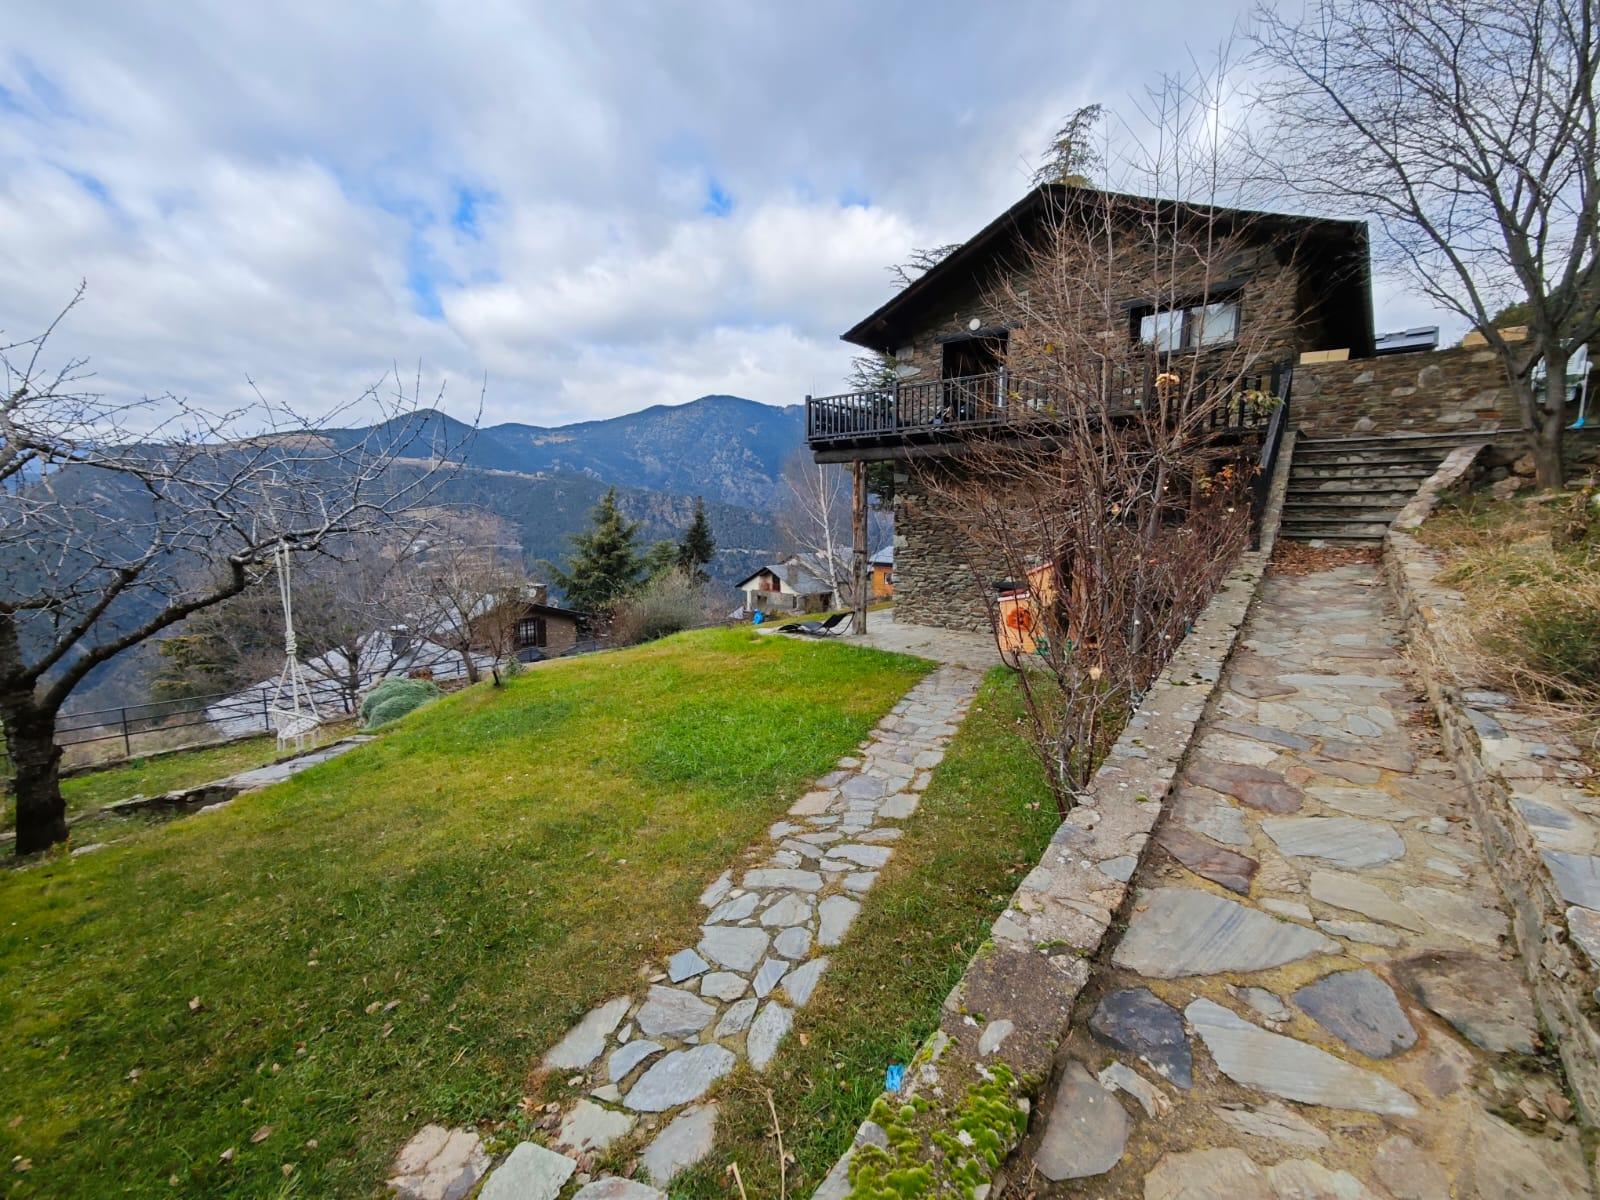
797,577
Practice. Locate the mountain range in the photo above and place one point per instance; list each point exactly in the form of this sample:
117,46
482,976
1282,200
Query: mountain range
721,447
725,449
546,480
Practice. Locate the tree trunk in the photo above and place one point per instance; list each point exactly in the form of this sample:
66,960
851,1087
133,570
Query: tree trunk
858,558
1552,420
35,773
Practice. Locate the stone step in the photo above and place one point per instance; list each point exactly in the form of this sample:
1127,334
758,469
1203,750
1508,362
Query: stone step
1420,458
1334,527
1389,441
1383,513
1388,477
1349,491
1323,539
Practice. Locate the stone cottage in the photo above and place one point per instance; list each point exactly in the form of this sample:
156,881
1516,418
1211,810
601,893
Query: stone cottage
952,334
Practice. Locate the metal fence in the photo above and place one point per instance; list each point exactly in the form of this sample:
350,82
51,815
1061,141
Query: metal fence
131,730
218,717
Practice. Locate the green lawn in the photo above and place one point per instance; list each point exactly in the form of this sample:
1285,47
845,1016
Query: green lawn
396,936
983,823
153,776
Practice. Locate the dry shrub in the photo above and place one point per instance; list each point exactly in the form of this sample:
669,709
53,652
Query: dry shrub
667,604
1530,572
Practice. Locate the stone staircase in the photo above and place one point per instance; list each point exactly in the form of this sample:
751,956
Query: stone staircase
1346,491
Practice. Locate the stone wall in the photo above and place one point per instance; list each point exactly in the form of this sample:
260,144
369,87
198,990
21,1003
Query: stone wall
560,633
933,580
1531,794
1448,391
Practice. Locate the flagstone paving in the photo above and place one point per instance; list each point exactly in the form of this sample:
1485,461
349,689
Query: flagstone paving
647,1061
1317,994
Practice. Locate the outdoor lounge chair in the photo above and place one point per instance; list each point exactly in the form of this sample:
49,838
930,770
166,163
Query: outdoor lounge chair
832,627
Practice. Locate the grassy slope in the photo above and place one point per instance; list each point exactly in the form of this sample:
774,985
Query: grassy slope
982,826
495,866
92,790
1530,570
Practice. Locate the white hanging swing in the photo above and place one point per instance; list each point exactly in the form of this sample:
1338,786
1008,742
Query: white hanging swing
294,710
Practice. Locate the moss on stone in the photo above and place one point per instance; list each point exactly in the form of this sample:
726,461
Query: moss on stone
959,1154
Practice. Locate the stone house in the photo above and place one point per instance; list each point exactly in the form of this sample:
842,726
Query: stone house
787,587
1291,283
547,630
537,629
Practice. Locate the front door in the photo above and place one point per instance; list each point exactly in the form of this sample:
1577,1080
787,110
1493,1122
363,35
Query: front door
969,369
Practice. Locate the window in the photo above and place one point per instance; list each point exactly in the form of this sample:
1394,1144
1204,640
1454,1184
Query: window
1191,328
530,631
1163,330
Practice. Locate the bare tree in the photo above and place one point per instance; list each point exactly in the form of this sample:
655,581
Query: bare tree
469,589
352,606
352,625
108,539
1115,516
1469,130
814,520
1116,494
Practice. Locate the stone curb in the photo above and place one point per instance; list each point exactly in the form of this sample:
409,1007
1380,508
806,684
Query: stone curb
968,1092
220,791
1525,783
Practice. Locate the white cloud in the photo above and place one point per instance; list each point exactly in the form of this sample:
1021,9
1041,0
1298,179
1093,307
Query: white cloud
274,192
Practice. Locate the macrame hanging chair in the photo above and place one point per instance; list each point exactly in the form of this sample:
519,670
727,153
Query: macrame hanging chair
294,710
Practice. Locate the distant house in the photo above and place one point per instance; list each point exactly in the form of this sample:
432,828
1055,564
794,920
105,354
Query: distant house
882,567
789,586
547,630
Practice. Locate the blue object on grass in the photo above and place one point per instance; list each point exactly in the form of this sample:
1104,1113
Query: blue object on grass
757,617
893,1077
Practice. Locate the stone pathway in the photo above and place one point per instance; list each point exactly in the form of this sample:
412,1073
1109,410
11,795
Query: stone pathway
1316,995
647,1061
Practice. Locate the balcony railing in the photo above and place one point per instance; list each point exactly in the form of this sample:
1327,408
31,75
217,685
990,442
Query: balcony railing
945,409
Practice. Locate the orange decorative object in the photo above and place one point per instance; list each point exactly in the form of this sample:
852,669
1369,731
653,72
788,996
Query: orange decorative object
1020,622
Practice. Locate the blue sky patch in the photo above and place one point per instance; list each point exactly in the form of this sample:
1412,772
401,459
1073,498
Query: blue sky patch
718,202
470,203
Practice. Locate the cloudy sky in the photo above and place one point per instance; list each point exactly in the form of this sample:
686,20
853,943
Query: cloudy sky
598,206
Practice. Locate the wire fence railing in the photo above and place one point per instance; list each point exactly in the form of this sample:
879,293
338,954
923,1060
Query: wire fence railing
107,735
220,716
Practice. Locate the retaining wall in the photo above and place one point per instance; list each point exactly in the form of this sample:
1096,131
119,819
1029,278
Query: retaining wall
1530,791
1446,391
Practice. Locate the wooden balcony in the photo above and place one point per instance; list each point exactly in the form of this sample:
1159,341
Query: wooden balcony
947,410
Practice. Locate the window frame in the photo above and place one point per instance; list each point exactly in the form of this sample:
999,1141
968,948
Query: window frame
1191,312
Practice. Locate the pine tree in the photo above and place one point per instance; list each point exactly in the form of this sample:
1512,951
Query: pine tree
661,559
603,566
697,546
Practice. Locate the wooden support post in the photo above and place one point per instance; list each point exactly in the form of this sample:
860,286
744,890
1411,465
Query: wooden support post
858,528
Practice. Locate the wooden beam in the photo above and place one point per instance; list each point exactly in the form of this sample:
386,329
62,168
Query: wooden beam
858,528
